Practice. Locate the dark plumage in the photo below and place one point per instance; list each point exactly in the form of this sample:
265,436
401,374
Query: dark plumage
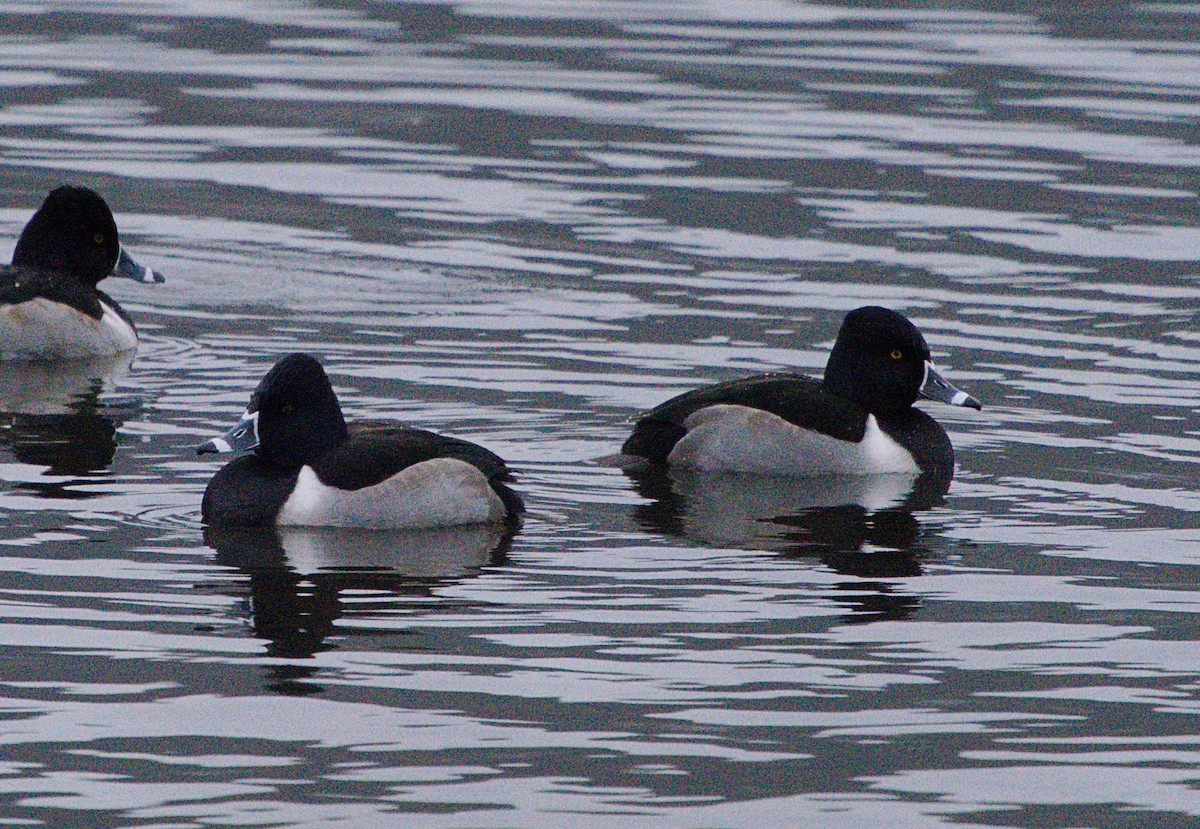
65,250
877,369
294,422
793,397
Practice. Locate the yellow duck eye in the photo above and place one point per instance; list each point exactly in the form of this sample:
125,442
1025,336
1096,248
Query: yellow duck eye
897,354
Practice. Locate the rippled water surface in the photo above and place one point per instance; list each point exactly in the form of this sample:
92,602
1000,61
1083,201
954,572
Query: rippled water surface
523,223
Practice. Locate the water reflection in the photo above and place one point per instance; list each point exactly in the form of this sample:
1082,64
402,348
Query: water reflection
861,525
301,579
52,415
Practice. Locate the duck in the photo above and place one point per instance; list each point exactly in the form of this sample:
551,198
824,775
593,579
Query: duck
308,468
859,419
50,307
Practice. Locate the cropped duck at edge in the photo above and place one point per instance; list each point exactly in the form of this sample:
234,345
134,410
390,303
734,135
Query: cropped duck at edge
50,307
858,420
308,468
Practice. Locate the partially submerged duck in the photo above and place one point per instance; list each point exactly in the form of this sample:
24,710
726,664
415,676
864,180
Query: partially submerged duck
308,468
858,420
50,307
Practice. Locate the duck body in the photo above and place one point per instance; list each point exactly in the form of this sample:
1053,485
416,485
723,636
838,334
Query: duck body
378,478
310,469
45,317
50,306
785,424
858,420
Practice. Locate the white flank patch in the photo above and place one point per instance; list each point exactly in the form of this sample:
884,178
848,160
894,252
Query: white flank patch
444,492
46,330
728,438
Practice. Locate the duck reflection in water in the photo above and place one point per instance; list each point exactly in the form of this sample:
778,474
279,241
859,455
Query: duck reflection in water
860,525
300,577
52,415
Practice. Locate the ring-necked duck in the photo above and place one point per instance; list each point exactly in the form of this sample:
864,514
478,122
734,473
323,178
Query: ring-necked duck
858,420
310,469
50,308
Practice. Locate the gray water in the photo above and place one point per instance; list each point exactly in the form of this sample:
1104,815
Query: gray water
522,223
